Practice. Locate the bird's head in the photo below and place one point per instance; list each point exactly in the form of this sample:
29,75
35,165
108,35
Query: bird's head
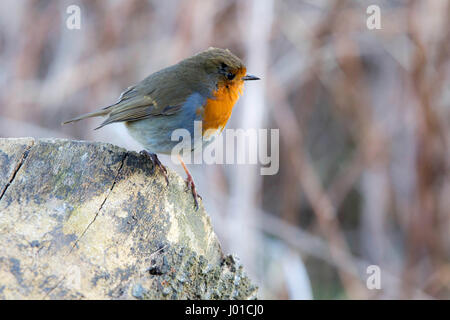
222,66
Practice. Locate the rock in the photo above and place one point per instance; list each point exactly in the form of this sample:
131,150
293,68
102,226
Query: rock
81,220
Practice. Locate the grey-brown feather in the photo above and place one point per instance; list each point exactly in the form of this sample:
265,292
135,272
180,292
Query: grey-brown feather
165,91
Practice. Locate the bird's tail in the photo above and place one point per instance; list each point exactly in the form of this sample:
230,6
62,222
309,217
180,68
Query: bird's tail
98,113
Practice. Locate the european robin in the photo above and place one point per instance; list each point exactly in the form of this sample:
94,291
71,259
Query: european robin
204,87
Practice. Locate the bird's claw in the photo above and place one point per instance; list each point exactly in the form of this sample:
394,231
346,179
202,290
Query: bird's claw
191,185
156,163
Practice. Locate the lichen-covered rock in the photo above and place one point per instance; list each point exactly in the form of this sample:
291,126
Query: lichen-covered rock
82,220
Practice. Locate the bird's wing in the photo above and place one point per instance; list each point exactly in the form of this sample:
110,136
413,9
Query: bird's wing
156,95
160,94
131,106
138,107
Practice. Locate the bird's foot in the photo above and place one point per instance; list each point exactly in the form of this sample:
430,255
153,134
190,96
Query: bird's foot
191,185
156,163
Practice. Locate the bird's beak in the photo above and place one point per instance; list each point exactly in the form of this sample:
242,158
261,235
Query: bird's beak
250,77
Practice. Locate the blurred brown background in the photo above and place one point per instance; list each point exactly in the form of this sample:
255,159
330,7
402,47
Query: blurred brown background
364,119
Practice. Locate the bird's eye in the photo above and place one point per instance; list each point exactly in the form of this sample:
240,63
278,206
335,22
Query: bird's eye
230,76
223,69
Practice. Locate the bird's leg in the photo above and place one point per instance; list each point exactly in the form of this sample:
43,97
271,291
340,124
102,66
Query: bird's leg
190,183
156,163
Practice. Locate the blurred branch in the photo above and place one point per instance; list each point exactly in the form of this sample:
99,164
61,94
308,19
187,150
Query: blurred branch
307,243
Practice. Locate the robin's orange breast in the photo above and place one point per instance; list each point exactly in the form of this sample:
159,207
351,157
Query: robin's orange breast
217,110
